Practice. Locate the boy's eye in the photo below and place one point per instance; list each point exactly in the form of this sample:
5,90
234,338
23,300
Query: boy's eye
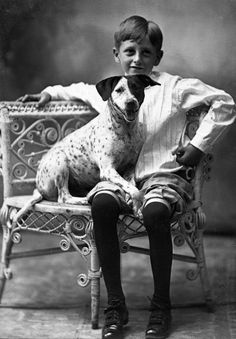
129,51
146,53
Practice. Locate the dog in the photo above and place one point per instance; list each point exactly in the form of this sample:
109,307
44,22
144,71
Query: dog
106,148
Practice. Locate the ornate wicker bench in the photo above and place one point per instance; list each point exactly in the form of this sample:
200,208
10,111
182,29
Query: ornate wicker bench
27,133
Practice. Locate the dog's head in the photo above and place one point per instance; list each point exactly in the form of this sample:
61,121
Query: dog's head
125,93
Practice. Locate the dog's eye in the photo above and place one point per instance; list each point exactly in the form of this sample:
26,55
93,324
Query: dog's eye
119,90
134,87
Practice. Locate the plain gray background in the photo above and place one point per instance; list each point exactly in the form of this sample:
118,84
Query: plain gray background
59,42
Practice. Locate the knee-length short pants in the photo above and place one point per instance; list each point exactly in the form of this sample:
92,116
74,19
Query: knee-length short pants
167,188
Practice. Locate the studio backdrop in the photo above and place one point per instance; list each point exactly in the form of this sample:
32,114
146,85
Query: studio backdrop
59,42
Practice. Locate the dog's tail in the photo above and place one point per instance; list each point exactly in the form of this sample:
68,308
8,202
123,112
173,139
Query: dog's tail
36,197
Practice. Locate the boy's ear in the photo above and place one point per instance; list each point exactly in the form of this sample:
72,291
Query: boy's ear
106,86
158,57
116,55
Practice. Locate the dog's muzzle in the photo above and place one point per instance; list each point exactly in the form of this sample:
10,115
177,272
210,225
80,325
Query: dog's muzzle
130,112
130,115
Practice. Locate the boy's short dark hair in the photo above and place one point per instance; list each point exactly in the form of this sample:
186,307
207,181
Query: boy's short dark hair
136,28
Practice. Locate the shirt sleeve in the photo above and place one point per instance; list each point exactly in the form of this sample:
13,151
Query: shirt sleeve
221,114
77,91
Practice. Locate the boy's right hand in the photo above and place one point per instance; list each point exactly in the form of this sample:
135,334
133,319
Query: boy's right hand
42,98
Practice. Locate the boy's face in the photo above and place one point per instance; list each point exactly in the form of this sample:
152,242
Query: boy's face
137,58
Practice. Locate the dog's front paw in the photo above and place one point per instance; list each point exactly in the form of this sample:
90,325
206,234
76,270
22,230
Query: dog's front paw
139,214
137,201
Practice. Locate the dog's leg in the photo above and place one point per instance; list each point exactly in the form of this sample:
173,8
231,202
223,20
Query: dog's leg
64,196
53,176
37,197
129,175
110,174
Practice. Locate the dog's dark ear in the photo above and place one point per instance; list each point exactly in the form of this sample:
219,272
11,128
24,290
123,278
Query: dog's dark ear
147,81
106,86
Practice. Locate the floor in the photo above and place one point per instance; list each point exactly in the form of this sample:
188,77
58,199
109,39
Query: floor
43,300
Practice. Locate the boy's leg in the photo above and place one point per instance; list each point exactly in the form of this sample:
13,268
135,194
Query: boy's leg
105,213
156,216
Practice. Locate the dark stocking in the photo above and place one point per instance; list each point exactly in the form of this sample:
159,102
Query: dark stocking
157,222
105,212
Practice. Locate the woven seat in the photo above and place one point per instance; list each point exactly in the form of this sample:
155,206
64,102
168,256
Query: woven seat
27,133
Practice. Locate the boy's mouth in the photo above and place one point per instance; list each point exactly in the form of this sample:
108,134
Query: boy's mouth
136,70
136,67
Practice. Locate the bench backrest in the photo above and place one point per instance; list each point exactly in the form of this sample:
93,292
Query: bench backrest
28,132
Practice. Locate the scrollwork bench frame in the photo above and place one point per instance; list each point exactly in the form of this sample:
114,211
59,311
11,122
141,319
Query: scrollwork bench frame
27,133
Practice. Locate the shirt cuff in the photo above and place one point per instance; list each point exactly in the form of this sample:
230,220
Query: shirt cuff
202,145
51,91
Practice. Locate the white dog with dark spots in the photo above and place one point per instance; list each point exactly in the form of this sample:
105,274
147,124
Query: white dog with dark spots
104,149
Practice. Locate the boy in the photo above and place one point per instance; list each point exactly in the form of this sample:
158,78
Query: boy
160,168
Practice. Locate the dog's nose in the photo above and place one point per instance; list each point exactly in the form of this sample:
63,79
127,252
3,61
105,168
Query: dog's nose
131,105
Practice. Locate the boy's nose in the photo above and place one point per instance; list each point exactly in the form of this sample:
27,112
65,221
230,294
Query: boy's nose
137,57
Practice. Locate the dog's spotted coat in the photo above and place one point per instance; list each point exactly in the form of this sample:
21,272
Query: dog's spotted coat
106,148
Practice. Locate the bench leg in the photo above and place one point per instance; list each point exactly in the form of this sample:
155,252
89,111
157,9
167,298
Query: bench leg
95,275
206,288
5,272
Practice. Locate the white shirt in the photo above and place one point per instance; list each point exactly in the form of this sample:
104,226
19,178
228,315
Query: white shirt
163,116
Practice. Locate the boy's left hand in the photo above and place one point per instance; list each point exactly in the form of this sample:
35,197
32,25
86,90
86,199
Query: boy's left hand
188,155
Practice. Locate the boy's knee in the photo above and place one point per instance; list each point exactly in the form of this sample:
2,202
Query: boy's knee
105,203
156,214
